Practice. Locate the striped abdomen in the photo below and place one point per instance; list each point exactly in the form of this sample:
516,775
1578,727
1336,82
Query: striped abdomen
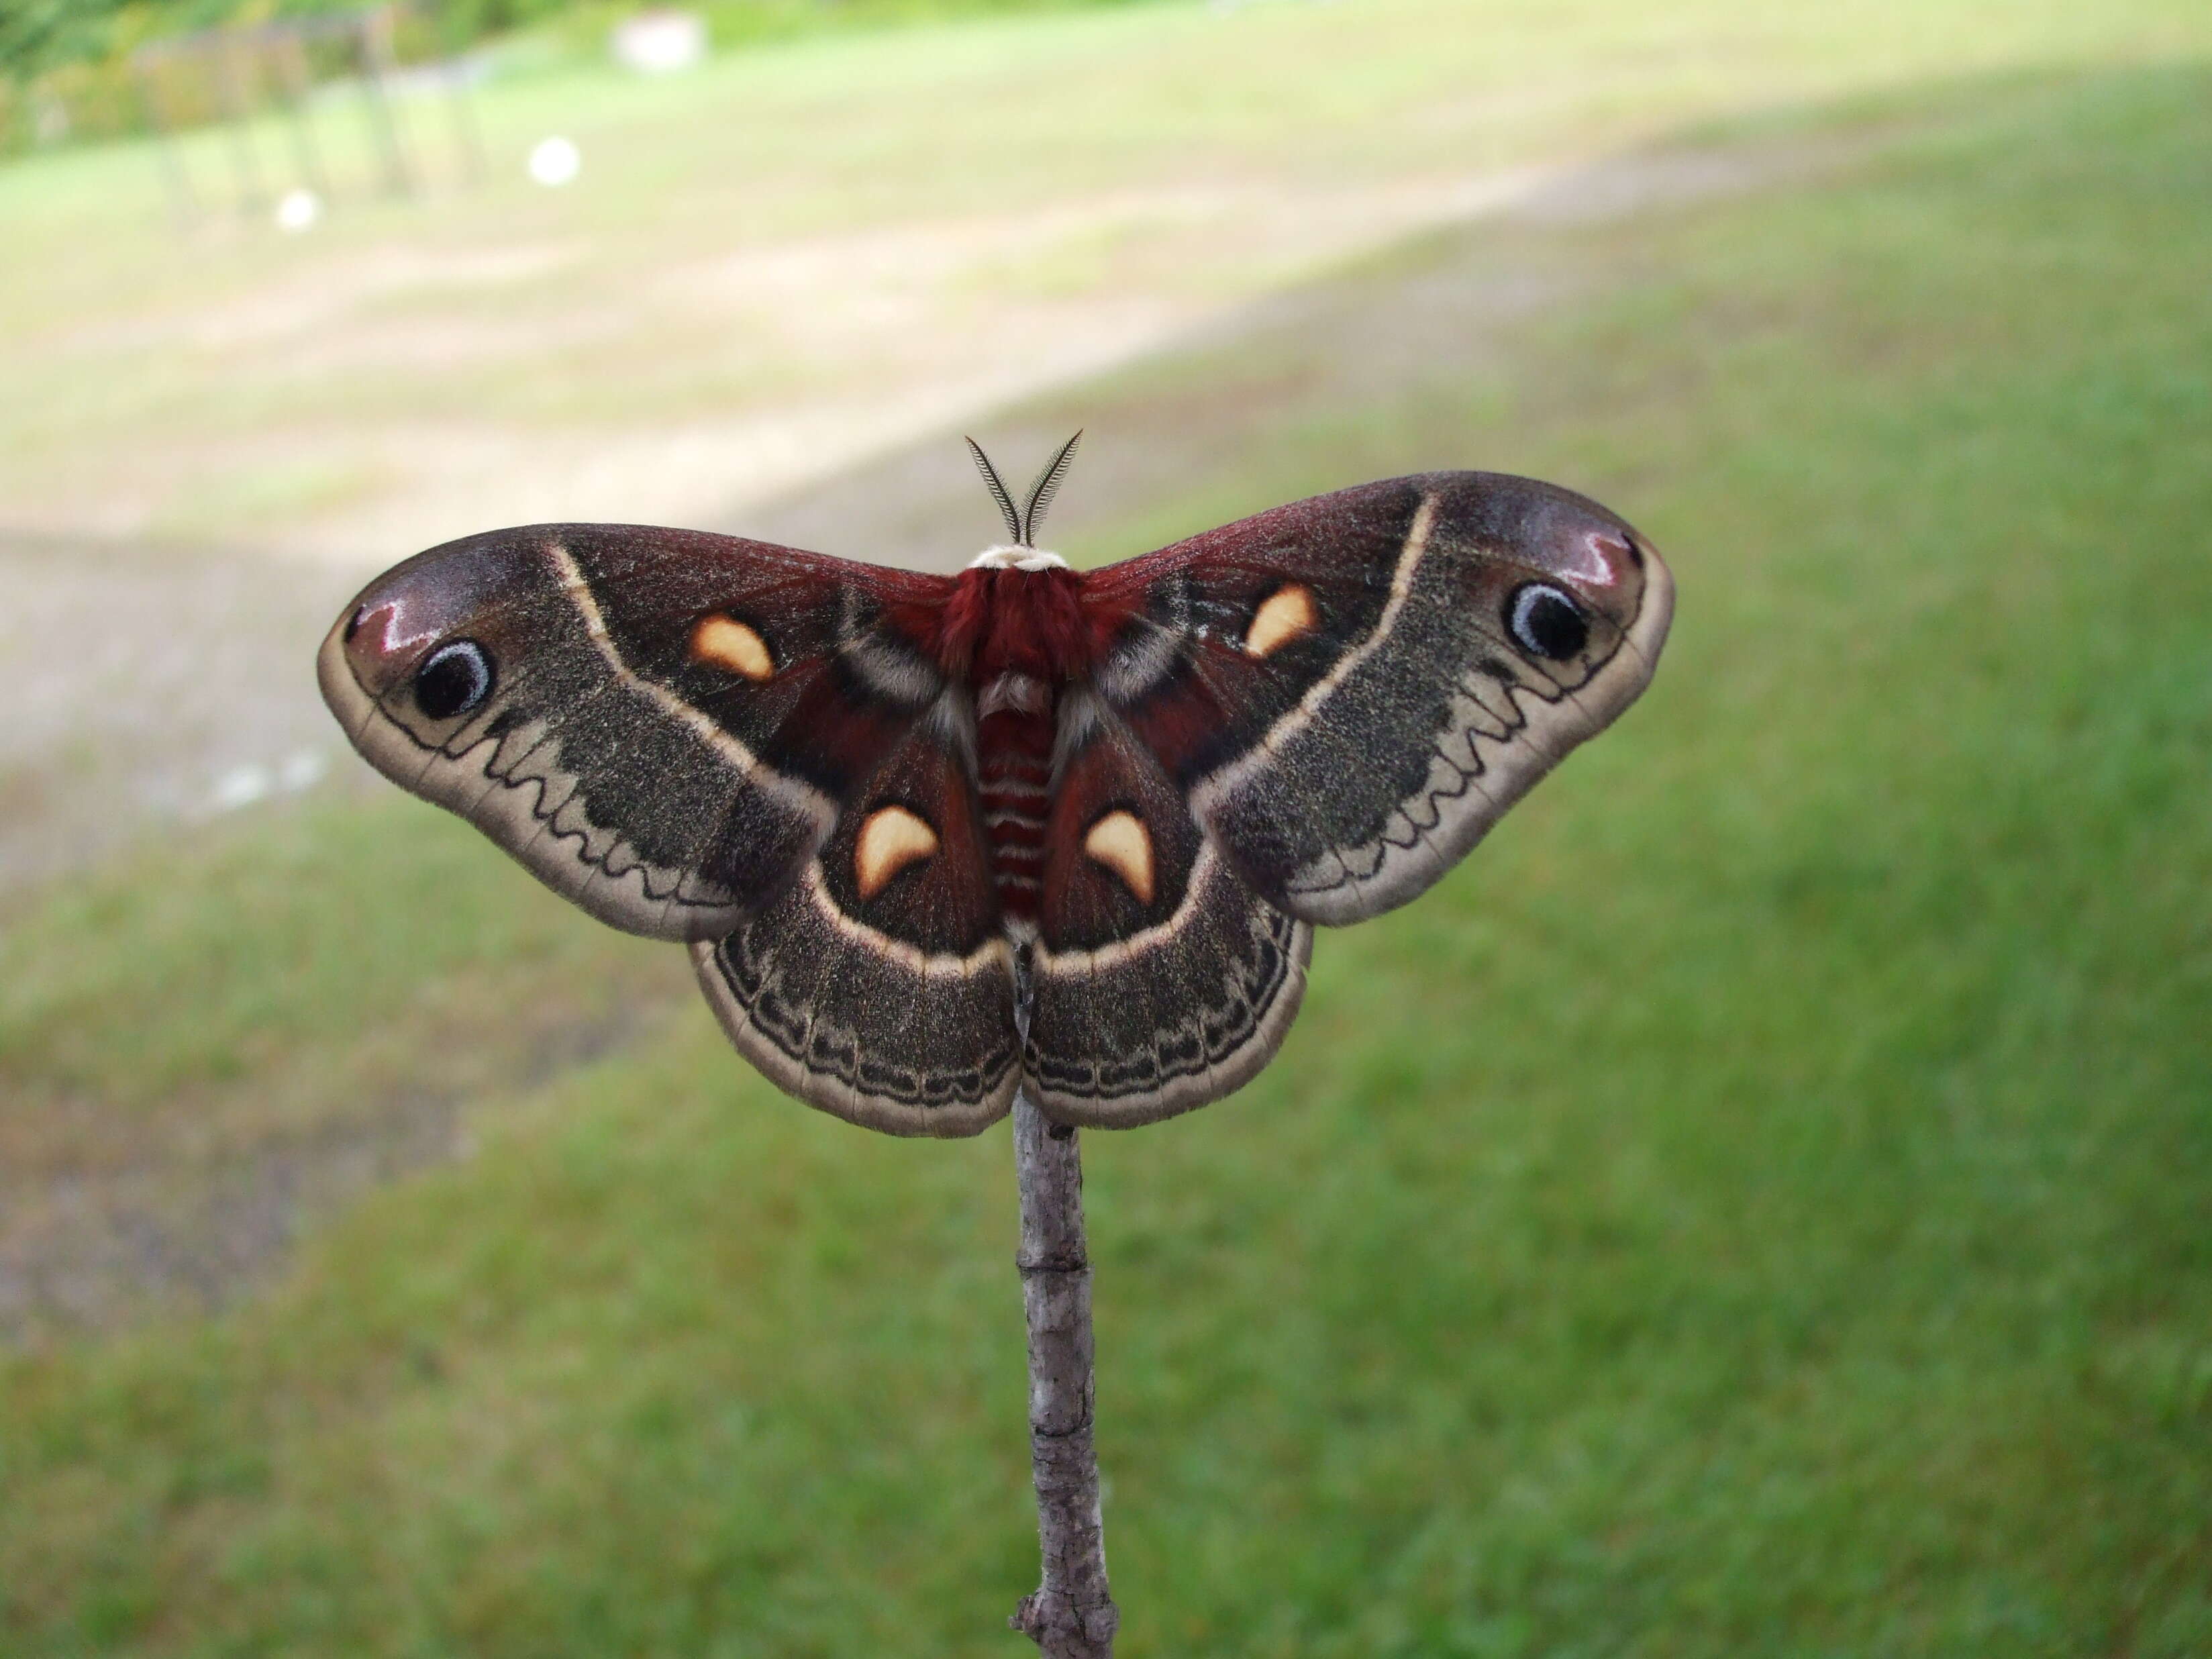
1014,735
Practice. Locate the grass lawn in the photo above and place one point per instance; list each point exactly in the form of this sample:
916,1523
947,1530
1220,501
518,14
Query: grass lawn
795,256
1757,1205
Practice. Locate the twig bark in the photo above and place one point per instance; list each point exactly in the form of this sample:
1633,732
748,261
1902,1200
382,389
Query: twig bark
1071,1615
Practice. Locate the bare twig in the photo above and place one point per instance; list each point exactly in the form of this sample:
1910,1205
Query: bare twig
1071,1615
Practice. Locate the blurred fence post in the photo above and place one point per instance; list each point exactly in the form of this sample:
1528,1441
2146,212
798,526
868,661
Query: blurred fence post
377,58
468,135
295,80
1071,1615
232,66
148,67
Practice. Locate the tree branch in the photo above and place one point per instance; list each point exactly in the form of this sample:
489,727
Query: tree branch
1071,1615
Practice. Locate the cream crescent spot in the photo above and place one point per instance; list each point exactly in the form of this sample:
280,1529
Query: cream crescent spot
1283,616
1119,841
728,643
890,840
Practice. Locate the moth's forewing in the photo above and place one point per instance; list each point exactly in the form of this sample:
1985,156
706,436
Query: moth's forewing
1351,691
483,676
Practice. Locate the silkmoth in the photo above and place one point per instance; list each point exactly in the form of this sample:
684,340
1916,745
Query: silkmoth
933,838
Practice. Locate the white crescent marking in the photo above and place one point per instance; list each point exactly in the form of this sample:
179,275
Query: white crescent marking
890,840
1119,842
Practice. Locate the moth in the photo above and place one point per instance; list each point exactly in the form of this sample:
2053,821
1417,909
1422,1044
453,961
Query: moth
933,838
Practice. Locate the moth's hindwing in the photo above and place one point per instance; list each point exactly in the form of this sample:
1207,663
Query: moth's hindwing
1159,980
880,987
1349,690
659,724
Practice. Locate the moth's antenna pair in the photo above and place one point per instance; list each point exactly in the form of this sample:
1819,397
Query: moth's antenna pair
1022,524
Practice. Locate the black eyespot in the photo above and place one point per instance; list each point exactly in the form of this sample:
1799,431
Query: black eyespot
1546,621
454,679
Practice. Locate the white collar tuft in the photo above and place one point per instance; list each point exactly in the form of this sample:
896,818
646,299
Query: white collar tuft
1016,558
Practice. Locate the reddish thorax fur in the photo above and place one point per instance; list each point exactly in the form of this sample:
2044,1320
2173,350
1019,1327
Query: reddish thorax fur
1020,622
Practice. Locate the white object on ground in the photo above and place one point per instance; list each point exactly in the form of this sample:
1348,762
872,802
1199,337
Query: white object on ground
658,42
246,785
239,787
298,209
555,162
301,770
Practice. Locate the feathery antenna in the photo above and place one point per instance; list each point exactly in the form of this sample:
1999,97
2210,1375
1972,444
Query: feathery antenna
1014,533
1046,487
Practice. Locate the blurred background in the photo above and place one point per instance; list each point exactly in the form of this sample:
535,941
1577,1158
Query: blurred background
1756,1205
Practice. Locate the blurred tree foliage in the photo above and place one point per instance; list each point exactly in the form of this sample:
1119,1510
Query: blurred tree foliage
65,64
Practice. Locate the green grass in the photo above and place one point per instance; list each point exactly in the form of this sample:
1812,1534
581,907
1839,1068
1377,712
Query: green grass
1756,1206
